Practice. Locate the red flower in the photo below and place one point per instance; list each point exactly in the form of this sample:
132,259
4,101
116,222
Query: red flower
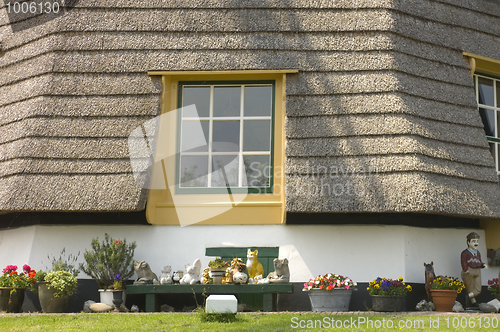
32,274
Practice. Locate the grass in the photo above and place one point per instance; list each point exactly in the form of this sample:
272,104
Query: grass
248,322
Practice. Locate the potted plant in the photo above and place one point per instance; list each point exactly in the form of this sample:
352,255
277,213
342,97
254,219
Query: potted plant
444,292
387,294
55,289
117,291
494,288
106,260
217,269
13,286
330,292
64,263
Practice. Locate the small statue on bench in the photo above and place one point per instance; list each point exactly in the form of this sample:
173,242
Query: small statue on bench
254,267
192,275
238,271
177,276
144,274
281,272
166,275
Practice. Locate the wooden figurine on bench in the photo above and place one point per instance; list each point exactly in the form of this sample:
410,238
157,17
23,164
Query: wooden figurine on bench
253,266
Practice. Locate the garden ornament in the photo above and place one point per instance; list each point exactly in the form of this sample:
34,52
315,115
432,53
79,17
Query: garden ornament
253,266
192,275
281,272
144,274
166,275
471,268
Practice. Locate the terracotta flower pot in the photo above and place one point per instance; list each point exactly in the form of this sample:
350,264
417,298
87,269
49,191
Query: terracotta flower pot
443,299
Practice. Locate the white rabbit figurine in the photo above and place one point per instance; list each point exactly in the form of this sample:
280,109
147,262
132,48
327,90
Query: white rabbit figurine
192,275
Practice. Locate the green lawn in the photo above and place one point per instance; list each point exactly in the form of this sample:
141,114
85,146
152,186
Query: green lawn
260,322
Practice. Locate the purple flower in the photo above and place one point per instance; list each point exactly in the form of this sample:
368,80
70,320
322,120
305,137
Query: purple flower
117,276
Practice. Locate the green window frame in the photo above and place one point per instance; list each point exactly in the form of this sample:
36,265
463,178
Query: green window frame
488,99
239,131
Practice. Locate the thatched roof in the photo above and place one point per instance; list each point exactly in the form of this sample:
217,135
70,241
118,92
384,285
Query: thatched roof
383,95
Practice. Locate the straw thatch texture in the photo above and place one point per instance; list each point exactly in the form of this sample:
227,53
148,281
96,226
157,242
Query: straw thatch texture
382,115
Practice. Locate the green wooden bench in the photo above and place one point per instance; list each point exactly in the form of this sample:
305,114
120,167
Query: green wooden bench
257,297
152,292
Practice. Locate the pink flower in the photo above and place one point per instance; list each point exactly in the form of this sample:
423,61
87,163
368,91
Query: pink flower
26,268
9,268
346,286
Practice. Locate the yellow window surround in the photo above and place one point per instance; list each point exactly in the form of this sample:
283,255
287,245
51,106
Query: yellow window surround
488,66
482,64
168,207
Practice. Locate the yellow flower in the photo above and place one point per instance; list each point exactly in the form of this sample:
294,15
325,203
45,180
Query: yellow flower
400,279
376,286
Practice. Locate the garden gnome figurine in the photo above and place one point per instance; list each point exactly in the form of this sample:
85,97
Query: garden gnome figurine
471,268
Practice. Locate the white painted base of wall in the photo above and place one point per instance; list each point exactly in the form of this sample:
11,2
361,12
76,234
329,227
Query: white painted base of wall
361,252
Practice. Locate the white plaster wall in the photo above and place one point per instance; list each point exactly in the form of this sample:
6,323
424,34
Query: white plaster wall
359,252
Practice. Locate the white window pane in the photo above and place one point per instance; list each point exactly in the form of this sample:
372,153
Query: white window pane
194,136
226,136
258,170
258,101
485,88
200,96
257,135
225,171
227,101
194,171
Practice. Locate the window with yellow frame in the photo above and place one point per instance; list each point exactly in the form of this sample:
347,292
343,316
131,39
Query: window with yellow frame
486,76
222,139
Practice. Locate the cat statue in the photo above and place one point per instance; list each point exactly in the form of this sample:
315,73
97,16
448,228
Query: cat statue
166,275
253,266
281,271
192,275
177,276
144,274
